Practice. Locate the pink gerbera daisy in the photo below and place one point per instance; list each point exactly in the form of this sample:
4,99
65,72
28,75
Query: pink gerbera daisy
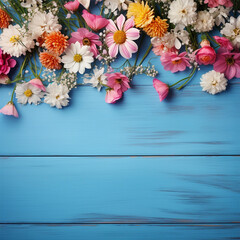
228,63
175,62
120,37
118,82
86,38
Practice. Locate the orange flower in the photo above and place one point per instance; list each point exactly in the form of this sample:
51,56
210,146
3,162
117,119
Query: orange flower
4,19
50,60
41,39
157,28
56,42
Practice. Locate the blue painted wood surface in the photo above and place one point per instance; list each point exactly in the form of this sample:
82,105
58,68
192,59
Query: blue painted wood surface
178,197
120,232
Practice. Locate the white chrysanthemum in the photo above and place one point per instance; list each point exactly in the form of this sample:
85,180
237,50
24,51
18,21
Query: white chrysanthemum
43,22
15,41
27,93
183,12
232,31
77,58
205,22
213,82
97,79
57,95
220,14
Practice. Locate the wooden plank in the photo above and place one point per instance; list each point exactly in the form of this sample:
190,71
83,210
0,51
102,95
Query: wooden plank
120,190
189,123
120,232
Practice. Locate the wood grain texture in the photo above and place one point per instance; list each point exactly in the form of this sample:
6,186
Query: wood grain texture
194,123
120,190
120,232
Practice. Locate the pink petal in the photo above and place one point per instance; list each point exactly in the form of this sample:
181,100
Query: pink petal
111,26
9,109
230,72
131,46
109,39
128,24
113,50
120,21
38,84
124,51
133,34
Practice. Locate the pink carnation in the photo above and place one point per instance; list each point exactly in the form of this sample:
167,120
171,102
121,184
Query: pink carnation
112,96
175,62
9,109
228,63
84,37
72,6
224,43
6,63
95,22
161,88
216,3
118,82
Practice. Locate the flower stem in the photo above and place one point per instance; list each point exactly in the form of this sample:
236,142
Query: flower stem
188,78
146,54
13,93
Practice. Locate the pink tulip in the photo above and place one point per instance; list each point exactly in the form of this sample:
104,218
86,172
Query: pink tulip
118,82
9,109
95,22
72,6
38,83
162,88
4,79
112,96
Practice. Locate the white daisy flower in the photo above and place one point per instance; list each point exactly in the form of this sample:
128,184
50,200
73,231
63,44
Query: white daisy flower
205,22
15,41
77,58
27,93
43,22
183,12
213,82
97,79
57,95
232,31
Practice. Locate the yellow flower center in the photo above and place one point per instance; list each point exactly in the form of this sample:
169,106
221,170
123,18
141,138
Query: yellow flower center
14,39
177,61
28,93
237,31
86,42
57,97
119,37
183,11
77,58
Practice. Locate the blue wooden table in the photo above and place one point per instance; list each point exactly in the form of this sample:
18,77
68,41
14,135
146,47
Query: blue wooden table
139,169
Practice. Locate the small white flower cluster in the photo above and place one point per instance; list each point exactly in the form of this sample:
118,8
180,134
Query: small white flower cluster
136,70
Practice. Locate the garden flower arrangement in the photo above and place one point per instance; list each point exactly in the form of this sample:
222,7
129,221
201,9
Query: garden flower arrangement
55,46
